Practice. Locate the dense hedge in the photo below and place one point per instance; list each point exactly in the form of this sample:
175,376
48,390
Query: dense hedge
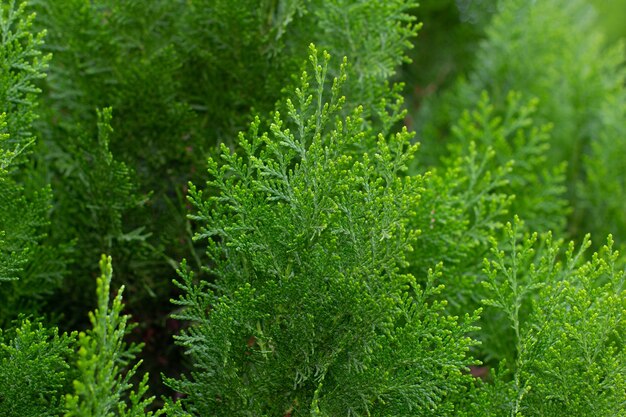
289,237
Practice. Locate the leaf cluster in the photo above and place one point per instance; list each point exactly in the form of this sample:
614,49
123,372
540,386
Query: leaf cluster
565,328
105,362
311,312
335,270
553,52
25,260
180,77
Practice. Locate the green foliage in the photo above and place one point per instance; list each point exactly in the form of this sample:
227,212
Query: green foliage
514,139
105,186
551,50
182,76
37,366
21,64
103,381
133,71
606,175
92,196
335,270
496,165
32,266
447,44
23,220
19,53
6,156
311,312
253,48
34,370
112,54
566,329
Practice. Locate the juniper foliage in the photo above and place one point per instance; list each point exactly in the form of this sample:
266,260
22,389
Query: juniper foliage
566,328
311,312
553,51
30,264
105,362
34,370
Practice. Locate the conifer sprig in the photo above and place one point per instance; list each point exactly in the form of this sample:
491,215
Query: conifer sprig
34,370
307,237
567,325
105,362
25,258
21,65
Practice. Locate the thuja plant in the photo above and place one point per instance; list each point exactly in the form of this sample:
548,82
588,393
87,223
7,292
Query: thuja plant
553,51
180,77
606,175
98,198
564,344
104,366
267,41
35,369
343,274
516,148
30,265
92,195
46,373
37,362
303,230
311,312
496,166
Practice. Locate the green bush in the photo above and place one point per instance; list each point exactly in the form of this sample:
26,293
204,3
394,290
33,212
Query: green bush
552,51
330,262
32,267
310,312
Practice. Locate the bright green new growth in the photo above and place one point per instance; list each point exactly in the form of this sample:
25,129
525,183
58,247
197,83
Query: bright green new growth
34,368
566,329
103,380
311,313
